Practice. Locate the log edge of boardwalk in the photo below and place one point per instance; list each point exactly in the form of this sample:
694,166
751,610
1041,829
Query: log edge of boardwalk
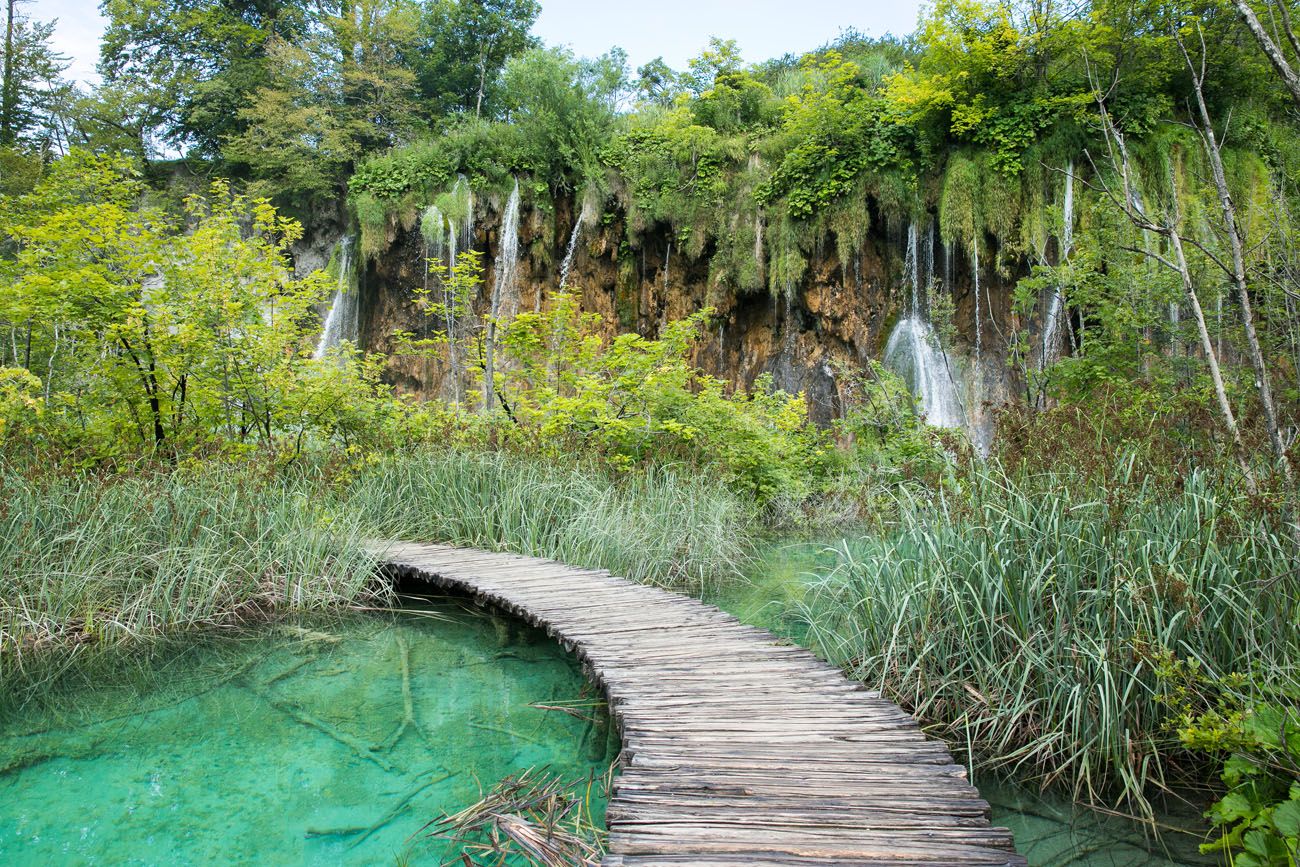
738,748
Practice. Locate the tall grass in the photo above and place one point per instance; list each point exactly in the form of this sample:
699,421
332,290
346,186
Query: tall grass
1026,618
89,562
655,526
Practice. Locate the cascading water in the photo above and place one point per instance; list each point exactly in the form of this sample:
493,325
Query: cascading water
975,277
914,353
911,264
433,230
343,320
584,216
1052,322
505,291
506,288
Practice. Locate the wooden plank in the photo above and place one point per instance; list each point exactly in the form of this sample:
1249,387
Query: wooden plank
738,748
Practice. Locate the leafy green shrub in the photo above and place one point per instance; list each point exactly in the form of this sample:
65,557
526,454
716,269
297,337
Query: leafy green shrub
1255,724
641,401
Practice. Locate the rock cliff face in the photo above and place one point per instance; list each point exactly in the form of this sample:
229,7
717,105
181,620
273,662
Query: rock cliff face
840,314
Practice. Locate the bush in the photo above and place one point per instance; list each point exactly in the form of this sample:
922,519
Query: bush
639,401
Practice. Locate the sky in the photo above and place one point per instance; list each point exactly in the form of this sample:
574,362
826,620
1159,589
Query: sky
674,29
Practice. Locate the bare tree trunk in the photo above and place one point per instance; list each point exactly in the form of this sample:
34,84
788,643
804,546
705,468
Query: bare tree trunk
1212,359
1238,270
1169,229
490,350
1274,54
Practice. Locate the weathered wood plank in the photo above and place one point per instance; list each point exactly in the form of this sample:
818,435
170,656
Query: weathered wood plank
738,748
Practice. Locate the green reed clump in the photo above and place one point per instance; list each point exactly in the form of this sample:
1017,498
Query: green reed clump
90,561
654,526
1027,619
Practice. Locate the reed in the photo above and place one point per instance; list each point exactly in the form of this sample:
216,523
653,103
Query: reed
1026,618
654,526
91,562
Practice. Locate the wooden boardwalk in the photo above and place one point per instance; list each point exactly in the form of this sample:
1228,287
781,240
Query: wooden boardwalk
737,749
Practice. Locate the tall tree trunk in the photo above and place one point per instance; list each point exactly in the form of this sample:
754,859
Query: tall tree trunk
1169,228
1263,380
1212,360
1274,54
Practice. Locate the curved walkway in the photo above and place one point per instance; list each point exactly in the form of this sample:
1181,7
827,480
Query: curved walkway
737,749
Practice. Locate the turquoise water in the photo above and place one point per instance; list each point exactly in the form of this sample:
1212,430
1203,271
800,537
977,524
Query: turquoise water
1050,831
320,743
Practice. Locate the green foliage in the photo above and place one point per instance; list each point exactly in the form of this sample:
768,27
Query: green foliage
662,526
336,93
147,336
182,71
32,90
93,562
1256,725
638,401
839,132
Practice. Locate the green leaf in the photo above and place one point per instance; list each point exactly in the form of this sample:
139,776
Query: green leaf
1286,818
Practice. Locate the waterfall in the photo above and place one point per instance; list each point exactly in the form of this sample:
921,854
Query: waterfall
1052,323
506,289
912,268
463,196
505,292
929,257
432,230
914,353
975,277
343,320
668,254
584,216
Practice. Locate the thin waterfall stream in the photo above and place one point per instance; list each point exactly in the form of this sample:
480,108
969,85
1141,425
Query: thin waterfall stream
913,350
342,322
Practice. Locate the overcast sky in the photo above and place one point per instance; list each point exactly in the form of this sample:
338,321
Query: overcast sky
673,29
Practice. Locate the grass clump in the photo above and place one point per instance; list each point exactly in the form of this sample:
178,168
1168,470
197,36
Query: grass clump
654,525
91,562
1029,618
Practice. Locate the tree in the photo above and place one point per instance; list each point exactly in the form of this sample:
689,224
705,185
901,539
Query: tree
31,83
343,90
657,82
1270,48
1235,266
463,45
190,67
165,337
563,107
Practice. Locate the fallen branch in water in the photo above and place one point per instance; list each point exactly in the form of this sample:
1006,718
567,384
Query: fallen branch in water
534,814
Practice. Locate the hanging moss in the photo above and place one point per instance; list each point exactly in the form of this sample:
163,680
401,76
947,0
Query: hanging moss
960,196
1000,201
372,218
786,262
850,221
896,195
